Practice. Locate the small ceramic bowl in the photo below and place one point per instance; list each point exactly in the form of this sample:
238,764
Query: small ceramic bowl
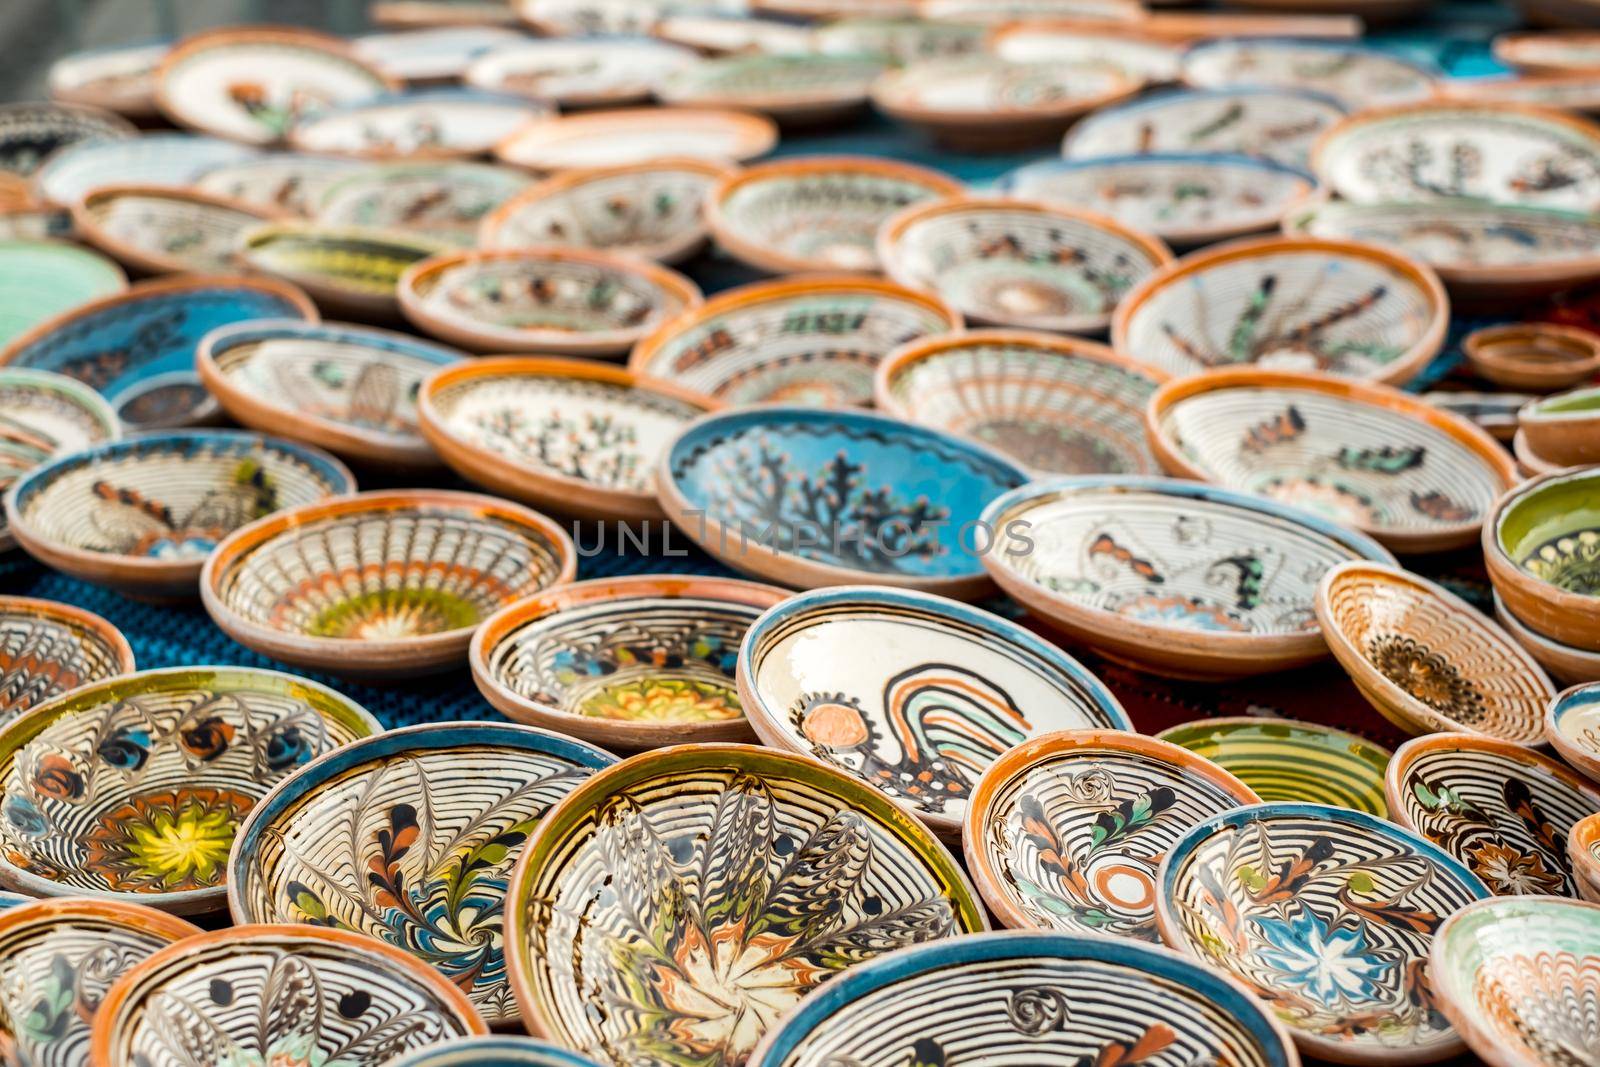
807,497
1548,52
1564,429
1494,413
1503,810
790,841
44,415
442,810
899,39
1019,263
157,229
152,159
1529,463
446,200
141,515
638,135
48,649
1169,576
1563,662
1583,851
1275,124
1264,893
810,340
915,695
1356,76
30,131
42,278
1427,659
380,585
569,301
497,1051
350,271
434,124
1416,478
1537,356
1541,545
575,436
798,89
630,663
580,72
120,78
1131,49
349,389
1572,726
816,213
267,994
1291,303
714,34
435,55
131,788
1290,760
283,181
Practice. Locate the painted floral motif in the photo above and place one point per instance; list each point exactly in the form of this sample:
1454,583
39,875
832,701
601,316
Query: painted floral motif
592,446
1570,562
277,109
1428,676
1548,1002
1517,851
374,394
167,842
1462,166
129,523
528,295
665,700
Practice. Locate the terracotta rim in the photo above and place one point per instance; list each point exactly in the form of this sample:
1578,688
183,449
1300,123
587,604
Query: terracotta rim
431,14
88,620
1183,26
1583,834
758,134
1480,348
1518,588
1586,762
1428,73
1530,462
1562,662
1507,46
86,224
889,96
51,910
1481,90
537,111
841,95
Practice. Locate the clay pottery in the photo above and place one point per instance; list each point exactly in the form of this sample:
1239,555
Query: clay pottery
157,229
638,135
43,415
1541,545
1276,124
1564,429
48,649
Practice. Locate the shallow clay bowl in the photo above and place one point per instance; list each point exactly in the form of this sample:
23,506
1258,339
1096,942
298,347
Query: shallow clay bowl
789,838
1171,577
1583,851
1572,726
446,200
501,1050
630,663
141,515
759,487
132,788
351,271
574,436
1356,76
1537,356
41,277
1563,662
1541,545
157,229
1140,55
71,173
803,89
1564,429
1548,52
31,131
47,649
1032,833
816,213
282,181
577,72
380,585
1275,124
45,414
638,135
460,789
915,695
433,124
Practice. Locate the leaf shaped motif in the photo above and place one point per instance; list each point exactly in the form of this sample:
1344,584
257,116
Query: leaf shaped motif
643,874
291,1004
393,841
820,882
923,921
186,1033
1129,817
735,854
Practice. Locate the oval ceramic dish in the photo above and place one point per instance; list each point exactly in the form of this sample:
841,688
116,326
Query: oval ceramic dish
160,229
631,663
1541,357
1065,832
726,34
1356,76
430,125
499,1051
348,270
1541,545
1564,429
899,39
1169,576
41,278
132,788
638,135
1548,52
1565,663
118,78
1309,304
31,131
380,585
1573,92
282,181
784,863
807,497
435,54
580,72
799,89
152,159
44,415
1416,478
1138,54
915,695
1583,851
445,200
1572,726
1271,894
47,649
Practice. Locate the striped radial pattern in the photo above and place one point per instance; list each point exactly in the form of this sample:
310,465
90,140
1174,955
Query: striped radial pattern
42,656
1292,761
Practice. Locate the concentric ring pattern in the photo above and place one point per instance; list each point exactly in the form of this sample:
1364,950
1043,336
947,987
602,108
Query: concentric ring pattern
1293,761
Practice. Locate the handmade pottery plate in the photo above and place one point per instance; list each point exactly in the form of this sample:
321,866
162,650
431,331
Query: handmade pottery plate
431,14
900,40
1572,726
152,159
1563,662
158,229
1571,92
747,839
593,72
30,132
1565,428
348,270
1273,895
283,181
433,124
1019,263
444,200
1356,76
813,340
1169,576
808,497
1285,759
1541,357
132,788
1583,850
39,279
439,54
801,88
631,663
1366,456
1288,303
915,695
380,585
1503,810
119,78
639,135
1275,124
1006,11
1541,544
48,649
715,34
1141,57
141,515
43,415
1548,52
498,1051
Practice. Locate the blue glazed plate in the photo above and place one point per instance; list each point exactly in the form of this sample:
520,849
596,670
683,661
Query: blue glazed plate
495,1052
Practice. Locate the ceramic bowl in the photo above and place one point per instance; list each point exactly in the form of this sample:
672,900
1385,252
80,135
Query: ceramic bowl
1502,152
1290,760
61,958
639,135
141,515
1572,92
554,298
814,872
899,39
132,788
428,125
1275,124
351,271
816,213
137,348
34,222
380,585
1529,463
1054,404
1356,76
1184,199
1565,428
42,278
152,159
1541,544
808,497
293,182
630,663
1065,832
1001,12
120,78
253,84
1426,659
441,811
915,695
1130,49
1546,52
575,436
1264,894
157,229
811,340
1494,413
1538,356
1292,303
349,389
605,18
799,89
1572,726
447,200
274,994
713,34
1019,263
31,131
436,55
1583,851
1416,478
497,1051
434,14
43,415
1503,810
47,649
1563,662
1169,576
580,72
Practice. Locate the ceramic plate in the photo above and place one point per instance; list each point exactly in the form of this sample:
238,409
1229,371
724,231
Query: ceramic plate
495,1052
1547,52
444,200
47,649
899,39
638,135
793,871
728,34
1541,544
152,159
429,14
434,54
1572,726
1565,428
1583,851
1541,357
45,415
913,694
1572,92
31,132
1141,57
435,124
808,497
1275,124
160,229
39,279
798,88
1355,76
132,788
1325,913
119,78
282,181
579,72
1304,304
350,270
